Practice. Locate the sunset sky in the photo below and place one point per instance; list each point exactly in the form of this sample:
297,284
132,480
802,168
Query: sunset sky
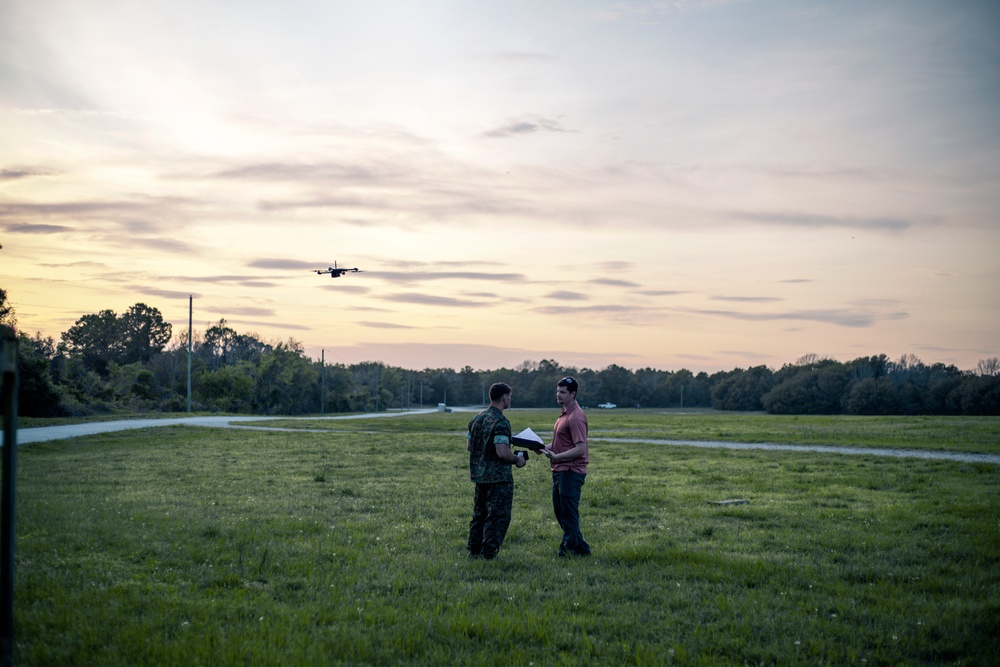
701,184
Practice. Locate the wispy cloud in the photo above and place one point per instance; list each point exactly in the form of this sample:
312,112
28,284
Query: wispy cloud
408,277
844,317
29,228
648,11
113,209
612,282
746,299
386,325
661,292
578,310
519,56
818,221
244,322
615,265
250,311
350,289
567,296
338,173
527,125
284,264
433,300
17,173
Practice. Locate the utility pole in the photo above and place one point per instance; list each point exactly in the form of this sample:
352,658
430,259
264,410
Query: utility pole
190,344
322,367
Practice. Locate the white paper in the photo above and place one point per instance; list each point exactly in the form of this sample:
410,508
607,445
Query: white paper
528,434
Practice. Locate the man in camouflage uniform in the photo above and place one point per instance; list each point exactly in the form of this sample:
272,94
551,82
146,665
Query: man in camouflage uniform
490,460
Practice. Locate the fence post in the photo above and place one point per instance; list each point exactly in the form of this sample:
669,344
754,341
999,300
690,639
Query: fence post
8,404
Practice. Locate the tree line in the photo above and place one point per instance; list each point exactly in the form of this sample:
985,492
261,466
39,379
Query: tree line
133,362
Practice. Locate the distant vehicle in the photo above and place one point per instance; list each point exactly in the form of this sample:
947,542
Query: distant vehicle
336,272
607,406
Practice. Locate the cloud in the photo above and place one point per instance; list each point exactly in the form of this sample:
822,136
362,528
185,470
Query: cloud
612,282
458,355
36,228
615,265
578,310
529,125
235,321
386,325
249,311
520,56
224,279
15,173
166,294
662,292
797,280
126,211
844,317
815,221
290,264
743,354
567,296
407,277
433,300
350,289
171,246
339,173
746,299
649,11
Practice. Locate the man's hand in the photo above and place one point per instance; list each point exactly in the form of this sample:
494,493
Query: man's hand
521,460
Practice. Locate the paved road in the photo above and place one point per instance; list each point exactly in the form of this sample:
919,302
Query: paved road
47,433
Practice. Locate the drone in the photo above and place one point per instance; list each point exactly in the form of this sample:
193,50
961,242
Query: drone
336,272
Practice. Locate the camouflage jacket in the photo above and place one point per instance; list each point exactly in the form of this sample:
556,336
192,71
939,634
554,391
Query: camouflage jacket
487,430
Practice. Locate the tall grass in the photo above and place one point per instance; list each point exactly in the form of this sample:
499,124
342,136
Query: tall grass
228,547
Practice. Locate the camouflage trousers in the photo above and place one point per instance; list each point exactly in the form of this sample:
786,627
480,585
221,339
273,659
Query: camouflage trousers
490,518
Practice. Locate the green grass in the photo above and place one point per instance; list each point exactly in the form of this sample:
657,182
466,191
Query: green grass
195,546
955,434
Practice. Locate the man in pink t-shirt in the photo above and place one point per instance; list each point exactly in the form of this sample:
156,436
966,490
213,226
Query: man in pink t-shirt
568,458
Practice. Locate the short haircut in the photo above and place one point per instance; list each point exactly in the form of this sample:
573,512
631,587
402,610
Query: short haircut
499,390
571,384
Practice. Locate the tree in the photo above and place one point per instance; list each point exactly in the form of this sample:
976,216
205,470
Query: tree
37,395
743,390
872,396
143,333
7,316
810,391
96,341
989,366
615,386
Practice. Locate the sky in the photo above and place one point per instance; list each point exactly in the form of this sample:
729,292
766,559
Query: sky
699,184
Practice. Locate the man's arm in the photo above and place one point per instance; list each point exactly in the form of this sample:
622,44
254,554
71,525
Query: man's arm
578,450
507,456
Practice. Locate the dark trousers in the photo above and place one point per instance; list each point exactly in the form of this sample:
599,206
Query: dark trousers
490,518
566,487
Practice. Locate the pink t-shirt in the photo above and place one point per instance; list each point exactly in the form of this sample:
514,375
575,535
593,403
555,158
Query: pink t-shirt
571,428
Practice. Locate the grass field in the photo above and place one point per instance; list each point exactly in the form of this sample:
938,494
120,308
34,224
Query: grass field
181,545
